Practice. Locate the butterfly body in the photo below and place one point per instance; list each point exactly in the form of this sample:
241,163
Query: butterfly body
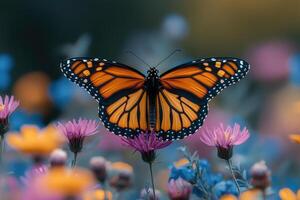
152,86
173,104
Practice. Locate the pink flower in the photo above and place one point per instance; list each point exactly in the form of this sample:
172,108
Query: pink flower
179,189
7,106
34,173
225,138
270,60
146,143
76,131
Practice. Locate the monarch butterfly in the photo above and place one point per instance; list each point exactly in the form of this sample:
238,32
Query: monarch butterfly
173,104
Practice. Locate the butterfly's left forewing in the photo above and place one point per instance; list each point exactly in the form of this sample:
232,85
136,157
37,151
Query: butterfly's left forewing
118,88
181,104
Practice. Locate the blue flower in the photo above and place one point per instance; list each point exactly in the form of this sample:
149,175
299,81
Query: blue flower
184,172
204,164
6,63
61,91
225,187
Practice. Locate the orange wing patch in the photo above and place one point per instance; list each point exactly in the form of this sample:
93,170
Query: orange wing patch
124,112
198,81
108,79
174,112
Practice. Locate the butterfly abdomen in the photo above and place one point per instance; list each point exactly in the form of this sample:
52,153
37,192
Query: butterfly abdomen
152,84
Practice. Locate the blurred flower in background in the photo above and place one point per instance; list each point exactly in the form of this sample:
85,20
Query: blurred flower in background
270,60
225,188
288,194
6,64
66,182
58,158
121,176
98,195
100,167
35,142
175,27
179,189
31,90
279,117
260,176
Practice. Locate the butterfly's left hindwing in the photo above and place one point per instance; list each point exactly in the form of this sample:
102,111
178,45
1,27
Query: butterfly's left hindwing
118,88
182,101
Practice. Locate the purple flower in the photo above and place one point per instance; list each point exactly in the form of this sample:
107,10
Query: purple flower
76,131
179,189
225,138
146,143
7,106
34,173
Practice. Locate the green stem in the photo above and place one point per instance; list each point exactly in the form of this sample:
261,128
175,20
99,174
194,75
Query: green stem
74,160
152,180
233,175
104,189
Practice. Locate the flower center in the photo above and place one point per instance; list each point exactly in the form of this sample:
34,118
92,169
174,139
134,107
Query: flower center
227,136
2,107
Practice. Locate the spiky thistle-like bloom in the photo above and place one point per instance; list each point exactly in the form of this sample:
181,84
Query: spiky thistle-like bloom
76,131
146,143
7,106
225,138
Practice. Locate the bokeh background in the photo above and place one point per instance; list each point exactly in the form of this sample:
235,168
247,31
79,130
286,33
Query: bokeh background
36,35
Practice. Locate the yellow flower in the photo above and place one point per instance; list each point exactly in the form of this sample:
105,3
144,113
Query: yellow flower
121,175
251,194
67,182
98,195
228,197
182,162
34,141
121,166
287,194
295,138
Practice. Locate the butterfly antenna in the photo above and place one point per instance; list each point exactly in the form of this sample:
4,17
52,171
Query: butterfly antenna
166,58
130,52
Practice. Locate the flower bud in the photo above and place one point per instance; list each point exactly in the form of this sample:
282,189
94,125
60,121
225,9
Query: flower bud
122,174
58,158
99,167
260,175
147,194
179,189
